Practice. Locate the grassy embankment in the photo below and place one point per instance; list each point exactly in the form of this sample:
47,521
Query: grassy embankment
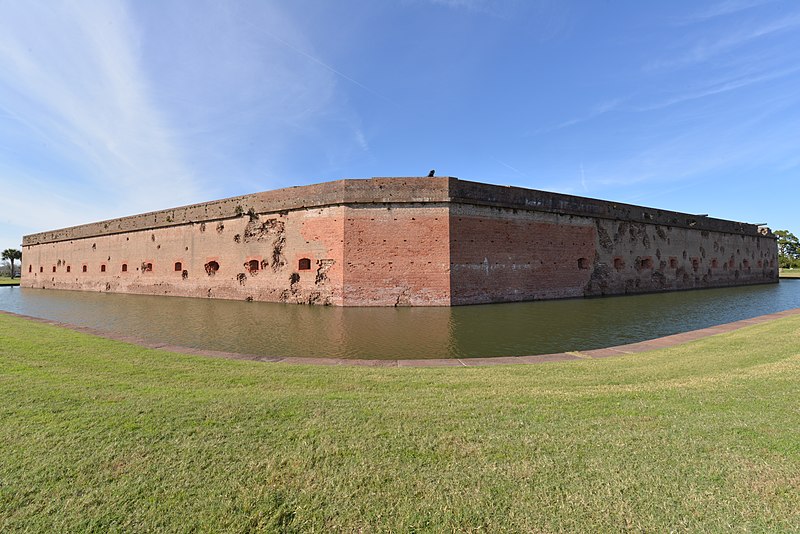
789,273
6,281
98,435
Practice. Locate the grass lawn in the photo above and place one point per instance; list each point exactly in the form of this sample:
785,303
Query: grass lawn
6,281
98,435
789,273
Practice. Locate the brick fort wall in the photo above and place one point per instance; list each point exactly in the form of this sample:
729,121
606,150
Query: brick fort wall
398,242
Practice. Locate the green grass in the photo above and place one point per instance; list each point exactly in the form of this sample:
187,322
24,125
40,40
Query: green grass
6,281
789,273
98,435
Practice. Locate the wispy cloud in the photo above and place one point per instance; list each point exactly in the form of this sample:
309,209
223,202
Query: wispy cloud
583,179
36,201
328,67
719,87
721,9
704,48
72,79
510,167
488,7
705,150
252,92
545,19
693,148
361,138
111,108
598,110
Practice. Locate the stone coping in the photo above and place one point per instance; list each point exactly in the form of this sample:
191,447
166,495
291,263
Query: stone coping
393,191
619,350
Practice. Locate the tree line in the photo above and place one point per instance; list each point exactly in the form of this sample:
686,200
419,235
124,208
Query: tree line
788,250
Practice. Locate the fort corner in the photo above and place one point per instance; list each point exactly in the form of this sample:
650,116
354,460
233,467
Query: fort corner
434,241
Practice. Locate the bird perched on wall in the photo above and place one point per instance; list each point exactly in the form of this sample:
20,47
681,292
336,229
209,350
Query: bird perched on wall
430,174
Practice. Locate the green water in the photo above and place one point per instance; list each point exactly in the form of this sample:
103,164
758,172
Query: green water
460,332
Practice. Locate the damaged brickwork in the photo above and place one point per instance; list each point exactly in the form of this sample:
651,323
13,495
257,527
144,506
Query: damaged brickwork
401,242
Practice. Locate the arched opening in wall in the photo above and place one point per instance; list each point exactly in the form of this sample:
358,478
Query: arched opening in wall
124,267
760,264
54,268
746,264
103,268
211,268
30,268
714,263
772,263
731,263
695,264
178,266
619,264
583,263
84,268
304,264
673,263
252,266
69,268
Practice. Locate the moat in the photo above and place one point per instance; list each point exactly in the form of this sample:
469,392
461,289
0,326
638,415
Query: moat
514,329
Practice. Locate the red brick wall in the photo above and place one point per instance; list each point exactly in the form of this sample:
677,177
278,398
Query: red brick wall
501,256
637,257
410,253
322,241
278,241
396,256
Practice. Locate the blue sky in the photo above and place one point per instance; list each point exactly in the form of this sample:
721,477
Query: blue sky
110,108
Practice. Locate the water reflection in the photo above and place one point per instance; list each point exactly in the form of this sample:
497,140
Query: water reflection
470,331
582,324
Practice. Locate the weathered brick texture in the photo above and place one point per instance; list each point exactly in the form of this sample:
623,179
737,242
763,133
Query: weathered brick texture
401,241
498,255
397,255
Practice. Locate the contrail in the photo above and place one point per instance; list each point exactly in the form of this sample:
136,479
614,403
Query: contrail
504,164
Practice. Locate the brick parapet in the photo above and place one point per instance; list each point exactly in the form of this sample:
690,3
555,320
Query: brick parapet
475,193
340,192
392,191
401,242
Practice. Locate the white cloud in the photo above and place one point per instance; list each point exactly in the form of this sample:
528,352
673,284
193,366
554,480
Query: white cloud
108,108
251,91
72,76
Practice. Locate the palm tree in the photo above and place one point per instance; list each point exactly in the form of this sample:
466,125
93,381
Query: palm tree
12,254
